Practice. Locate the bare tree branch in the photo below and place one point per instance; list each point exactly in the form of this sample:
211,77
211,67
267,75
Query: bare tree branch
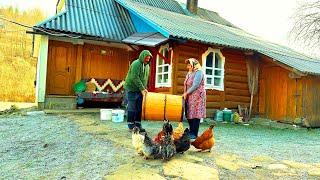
306,27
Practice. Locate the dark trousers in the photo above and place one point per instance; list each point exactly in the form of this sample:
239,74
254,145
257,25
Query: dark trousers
134,109
194,126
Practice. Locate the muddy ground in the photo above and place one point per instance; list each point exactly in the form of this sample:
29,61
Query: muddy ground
80,146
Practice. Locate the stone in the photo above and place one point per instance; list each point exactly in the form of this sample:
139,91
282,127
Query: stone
277,167
188,170
134,173
266,159
227,164
314,172
297,165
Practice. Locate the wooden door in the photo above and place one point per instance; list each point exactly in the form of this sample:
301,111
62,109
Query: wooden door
277,93
103,62
61,68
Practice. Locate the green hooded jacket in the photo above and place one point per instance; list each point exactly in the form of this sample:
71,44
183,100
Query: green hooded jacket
138,74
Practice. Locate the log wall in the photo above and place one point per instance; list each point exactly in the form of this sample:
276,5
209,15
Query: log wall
235,91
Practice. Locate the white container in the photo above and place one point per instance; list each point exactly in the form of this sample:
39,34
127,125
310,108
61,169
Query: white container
117,115
105,114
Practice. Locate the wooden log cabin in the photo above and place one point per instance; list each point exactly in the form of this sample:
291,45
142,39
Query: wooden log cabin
98,39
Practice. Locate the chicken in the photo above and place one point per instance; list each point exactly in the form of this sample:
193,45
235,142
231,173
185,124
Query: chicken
149,148
178,132
206,140
183,144
137,140
159,138
166,128
167,147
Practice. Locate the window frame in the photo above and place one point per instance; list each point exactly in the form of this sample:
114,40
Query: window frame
167,84
213,76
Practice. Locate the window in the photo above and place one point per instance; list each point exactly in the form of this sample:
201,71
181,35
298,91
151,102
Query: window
213,68
163,69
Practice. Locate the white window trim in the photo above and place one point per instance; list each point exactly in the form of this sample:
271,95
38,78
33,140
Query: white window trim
204,57
168,84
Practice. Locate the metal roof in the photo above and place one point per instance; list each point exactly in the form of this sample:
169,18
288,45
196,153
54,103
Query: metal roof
146,39
169,5
104,19
181,8
207,15
177,25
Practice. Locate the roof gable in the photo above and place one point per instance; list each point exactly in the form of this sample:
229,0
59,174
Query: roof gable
140,25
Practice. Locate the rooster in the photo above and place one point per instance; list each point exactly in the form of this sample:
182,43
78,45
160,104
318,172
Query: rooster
206,140
137,140
166,128
178,132
183,144
150,149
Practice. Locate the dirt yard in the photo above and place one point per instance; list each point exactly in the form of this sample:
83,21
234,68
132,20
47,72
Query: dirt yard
80,146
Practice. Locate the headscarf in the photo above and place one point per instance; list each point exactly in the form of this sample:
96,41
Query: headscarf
194,63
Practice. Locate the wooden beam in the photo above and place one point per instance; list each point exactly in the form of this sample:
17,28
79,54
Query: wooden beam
249,53
79,50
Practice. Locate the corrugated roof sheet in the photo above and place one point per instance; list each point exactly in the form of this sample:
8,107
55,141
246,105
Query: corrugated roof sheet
187,27
181,8
207,15
169,5
104,19
213,16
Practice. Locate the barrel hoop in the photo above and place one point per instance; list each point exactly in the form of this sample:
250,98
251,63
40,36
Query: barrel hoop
144,106
165,107
182,109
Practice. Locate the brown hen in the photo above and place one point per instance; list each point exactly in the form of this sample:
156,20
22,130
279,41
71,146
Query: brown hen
206,140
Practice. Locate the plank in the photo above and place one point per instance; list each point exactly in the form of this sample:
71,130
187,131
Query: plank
243,99
236,85
237,92
236,78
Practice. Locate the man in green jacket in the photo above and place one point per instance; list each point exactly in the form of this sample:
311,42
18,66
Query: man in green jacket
136,87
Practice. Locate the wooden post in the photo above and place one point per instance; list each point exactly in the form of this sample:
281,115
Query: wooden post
251,99
42,70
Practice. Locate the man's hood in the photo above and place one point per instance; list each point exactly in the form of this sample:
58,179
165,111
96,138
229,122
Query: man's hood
144,54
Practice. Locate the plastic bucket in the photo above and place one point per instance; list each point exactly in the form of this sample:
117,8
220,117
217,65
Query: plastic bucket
105,114
218,116
117,115
227,115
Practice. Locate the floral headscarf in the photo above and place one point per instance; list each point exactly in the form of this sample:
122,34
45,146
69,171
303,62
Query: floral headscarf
194,63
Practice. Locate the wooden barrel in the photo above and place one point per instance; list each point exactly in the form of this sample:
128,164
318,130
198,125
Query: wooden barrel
157,107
